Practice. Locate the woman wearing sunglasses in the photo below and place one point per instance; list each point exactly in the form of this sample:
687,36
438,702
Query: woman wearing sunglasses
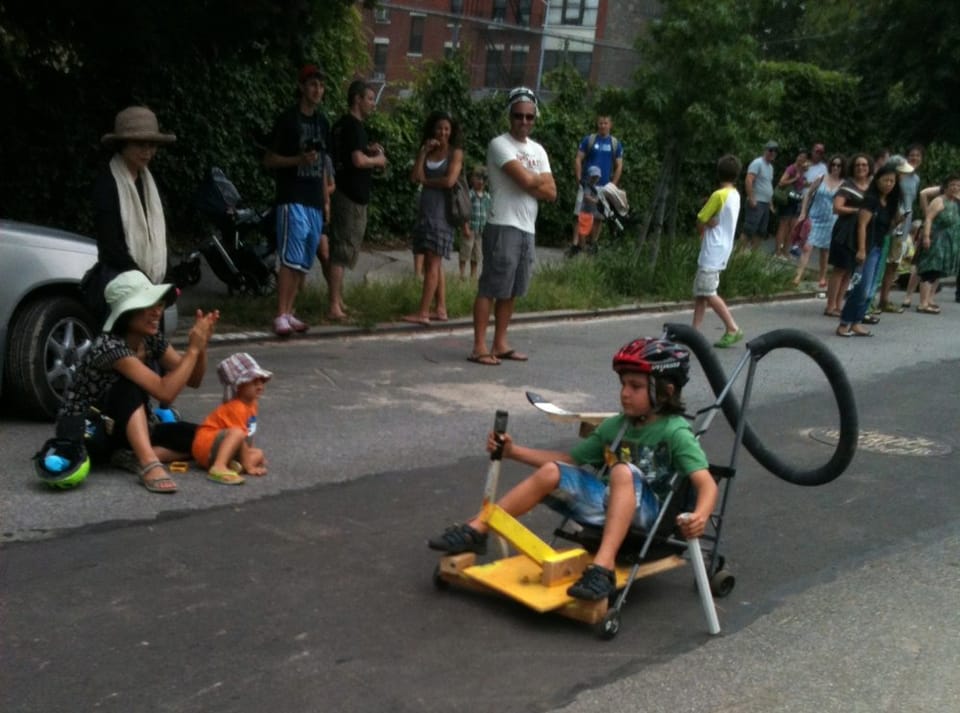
818,207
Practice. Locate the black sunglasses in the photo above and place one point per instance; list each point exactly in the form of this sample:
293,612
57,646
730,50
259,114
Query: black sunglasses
518,116
836,163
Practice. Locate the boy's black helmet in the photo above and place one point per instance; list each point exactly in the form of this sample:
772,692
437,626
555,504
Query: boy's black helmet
655,356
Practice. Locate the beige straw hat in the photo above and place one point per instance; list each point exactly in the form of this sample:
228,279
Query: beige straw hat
137,123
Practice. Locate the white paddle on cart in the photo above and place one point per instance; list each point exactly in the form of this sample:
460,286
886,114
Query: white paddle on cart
561,415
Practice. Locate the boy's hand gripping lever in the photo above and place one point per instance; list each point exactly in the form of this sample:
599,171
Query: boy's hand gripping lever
499,428
493,473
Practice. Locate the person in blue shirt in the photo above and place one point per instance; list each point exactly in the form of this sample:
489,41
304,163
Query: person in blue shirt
605,151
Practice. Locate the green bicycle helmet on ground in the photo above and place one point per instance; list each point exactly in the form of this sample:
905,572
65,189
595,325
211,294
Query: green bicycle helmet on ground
62,463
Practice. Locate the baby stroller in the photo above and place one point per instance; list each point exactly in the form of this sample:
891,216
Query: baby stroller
613,207
241,248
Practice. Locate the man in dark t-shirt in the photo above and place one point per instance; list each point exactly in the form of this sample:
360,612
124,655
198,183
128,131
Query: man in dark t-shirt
354,159
301,137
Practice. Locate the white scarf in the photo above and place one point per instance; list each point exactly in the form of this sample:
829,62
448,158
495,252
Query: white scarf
146,233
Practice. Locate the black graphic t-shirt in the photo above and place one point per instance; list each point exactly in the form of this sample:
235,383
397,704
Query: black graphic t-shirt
293,134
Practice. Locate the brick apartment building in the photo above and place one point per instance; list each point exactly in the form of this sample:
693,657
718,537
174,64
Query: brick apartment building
508,42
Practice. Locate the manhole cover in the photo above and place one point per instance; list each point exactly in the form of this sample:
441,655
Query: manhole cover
891,444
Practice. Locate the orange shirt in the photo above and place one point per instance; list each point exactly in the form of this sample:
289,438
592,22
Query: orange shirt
233,414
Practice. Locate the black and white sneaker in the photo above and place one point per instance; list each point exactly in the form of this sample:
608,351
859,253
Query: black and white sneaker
458,539
595,583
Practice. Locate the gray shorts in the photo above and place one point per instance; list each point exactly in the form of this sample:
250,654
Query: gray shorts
508,257
348,224
706,282
756,219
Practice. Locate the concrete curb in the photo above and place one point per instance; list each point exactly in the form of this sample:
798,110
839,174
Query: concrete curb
389,328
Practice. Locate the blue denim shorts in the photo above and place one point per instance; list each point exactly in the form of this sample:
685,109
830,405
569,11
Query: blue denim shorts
583,497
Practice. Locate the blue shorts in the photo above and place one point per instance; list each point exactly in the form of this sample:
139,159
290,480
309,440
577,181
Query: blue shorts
583,497
299,228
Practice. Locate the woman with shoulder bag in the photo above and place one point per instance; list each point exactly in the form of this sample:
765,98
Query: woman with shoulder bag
794,181
437,168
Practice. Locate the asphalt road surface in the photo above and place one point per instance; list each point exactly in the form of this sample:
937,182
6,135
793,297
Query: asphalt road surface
310,589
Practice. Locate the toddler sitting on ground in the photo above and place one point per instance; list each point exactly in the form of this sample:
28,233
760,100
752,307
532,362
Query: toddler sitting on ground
224,441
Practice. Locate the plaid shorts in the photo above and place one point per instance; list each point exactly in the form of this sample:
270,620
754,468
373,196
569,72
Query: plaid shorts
583,497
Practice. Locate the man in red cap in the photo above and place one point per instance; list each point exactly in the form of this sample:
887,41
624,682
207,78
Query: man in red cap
301,136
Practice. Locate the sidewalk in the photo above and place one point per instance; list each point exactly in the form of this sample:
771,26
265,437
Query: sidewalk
382,265
372,266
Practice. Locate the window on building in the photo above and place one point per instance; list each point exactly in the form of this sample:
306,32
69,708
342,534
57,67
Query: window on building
494,67
381,47
523,12
519,58
581,61
381,15
416,34
448,50
456,7
571,12
499,10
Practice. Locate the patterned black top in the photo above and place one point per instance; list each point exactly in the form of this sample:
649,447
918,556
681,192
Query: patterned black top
95,373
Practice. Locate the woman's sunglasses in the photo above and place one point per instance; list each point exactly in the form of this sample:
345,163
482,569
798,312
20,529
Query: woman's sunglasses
525,117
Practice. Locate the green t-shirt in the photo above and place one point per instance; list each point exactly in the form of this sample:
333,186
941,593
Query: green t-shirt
658,449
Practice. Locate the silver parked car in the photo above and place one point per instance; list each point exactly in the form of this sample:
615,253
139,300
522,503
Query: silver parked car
44,327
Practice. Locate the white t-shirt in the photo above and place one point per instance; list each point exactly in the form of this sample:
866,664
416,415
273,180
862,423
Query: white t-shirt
815,171
718,240
509,204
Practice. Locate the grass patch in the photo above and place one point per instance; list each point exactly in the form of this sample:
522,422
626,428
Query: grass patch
619,274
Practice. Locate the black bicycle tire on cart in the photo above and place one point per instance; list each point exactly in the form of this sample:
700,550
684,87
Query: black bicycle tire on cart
760,346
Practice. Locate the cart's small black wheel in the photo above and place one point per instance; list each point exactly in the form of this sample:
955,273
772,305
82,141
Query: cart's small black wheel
439,582
609,626
722,583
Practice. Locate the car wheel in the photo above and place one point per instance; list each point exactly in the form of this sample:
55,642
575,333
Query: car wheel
47,340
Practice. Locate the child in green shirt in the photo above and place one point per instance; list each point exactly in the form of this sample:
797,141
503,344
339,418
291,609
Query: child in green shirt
618,475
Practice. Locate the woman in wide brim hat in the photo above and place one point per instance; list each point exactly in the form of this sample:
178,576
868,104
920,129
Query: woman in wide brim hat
129,223
121,372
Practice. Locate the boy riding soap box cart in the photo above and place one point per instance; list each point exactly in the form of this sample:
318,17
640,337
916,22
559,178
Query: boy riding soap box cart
619,477
637,492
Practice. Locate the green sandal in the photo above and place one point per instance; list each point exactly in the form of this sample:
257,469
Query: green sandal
225,477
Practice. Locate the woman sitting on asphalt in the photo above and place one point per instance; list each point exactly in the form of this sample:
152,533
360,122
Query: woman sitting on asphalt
118,375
